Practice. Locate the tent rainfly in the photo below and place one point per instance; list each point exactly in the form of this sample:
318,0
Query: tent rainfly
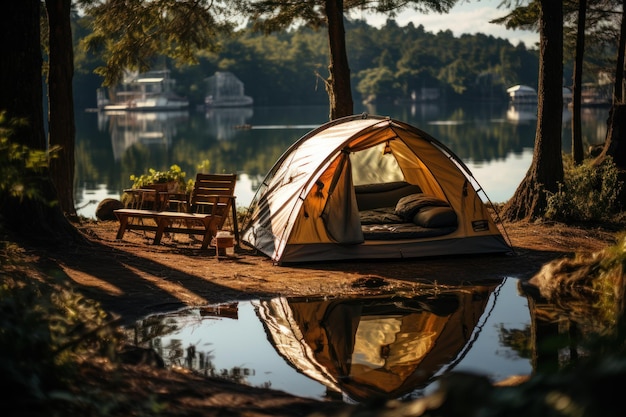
365,187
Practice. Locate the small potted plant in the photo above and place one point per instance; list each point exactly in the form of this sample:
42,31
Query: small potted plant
171,180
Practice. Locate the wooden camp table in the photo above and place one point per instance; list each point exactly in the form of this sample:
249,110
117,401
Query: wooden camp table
148,198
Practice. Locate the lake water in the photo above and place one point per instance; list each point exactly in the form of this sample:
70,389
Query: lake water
351,349
240,341
495,141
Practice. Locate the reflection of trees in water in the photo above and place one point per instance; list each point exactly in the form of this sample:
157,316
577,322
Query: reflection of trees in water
224,122
149,128
518,340
151,332
253,151
202,362
486,141
94,157
86,165
145,331
475,132
577,308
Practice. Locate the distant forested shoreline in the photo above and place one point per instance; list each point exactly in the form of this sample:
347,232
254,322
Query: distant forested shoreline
387,64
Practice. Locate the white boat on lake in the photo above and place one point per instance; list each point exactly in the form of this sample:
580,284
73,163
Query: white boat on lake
522,94
150,91
226,90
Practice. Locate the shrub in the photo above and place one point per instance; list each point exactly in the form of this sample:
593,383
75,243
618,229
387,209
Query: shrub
20,167
43,333
175,174
172,180
588,193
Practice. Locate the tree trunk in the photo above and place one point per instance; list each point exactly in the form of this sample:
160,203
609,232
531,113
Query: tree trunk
577,139
61,126
36,216
619,86
546,169
338,82
20,73
615,143
543,333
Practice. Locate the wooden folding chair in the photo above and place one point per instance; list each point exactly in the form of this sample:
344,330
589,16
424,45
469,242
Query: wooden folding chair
213,195
212,201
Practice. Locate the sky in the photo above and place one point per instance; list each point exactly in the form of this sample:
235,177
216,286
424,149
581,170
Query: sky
470,17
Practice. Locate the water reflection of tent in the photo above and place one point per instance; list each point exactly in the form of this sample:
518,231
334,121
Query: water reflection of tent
384,346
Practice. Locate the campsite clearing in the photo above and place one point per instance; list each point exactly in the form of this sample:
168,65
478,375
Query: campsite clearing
134,278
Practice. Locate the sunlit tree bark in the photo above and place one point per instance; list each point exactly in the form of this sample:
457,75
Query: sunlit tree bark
615,144
61,127
338,83
34,213
577,140
546,170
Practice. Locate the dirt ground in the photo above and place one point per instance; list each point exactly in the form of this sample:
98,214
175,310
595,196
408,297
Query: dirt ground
132,278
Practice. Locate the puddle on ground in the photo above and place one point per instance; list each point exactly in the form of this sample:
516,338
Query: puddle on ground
393,346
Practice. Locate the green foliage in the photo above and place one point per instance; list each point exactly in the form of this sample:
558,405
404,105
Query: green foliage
518,340
522,17
273,16
609,284
588,193
19,165
378,82
203,166
287,67
51,338
174,174
43,333
131,34
455,75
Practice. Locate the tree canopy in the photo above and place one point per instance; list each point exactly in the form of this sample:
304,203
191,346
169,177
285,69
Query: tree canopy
129,34
283,68
271,16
